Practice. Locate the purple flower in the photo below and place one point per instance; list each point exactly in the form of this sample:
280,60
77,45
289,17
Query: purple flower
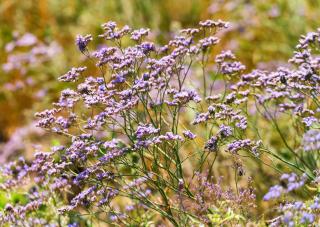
111,144
208,42
288,219
298,205
189,135
145,130
230,68
81,197
72,75
225,131
308,121
119,79
108,197
147,47
200,118
307,218
121,124
190,31
237,145
273,193
137,182
138,34
168,136
213,24
74,224
111,155
183,97
129,208
82,42
316,204
81,176
293,181
212,144
110,25
225,55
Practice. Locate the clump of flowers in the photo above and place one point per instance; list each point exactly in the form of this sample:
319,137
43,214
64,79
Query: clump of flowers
134,129
294,212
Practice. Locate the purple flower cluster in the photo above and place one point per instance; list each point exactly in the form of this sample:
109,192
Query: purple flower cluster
237,145
125,126
189,135
212,144
182,97
83,41
209,193
147,84
145,130
291,181
297,213
72,75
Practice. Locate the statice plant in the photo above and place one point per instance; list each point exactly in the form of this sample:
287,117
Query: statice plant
145,135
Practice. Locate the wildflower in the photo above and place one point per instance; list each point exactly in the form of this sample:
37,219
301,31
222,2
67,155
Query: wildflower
208,42
190,31
230,68
80,198
293,182
225,131
168,136
213,24
183,97
212,144
200,118
288,219
307,218
311,140
110,140
129,207
213,97
74,224
316,204
110,25
308,121
298,205
189,135
138,34
145,130
82,42
111,155
147,47
274,192
237,145
111,144
225,55
72,75
137,182
107,198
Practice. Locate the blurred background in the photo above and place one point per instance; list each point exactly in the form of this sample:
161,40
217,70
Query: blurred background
37,45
